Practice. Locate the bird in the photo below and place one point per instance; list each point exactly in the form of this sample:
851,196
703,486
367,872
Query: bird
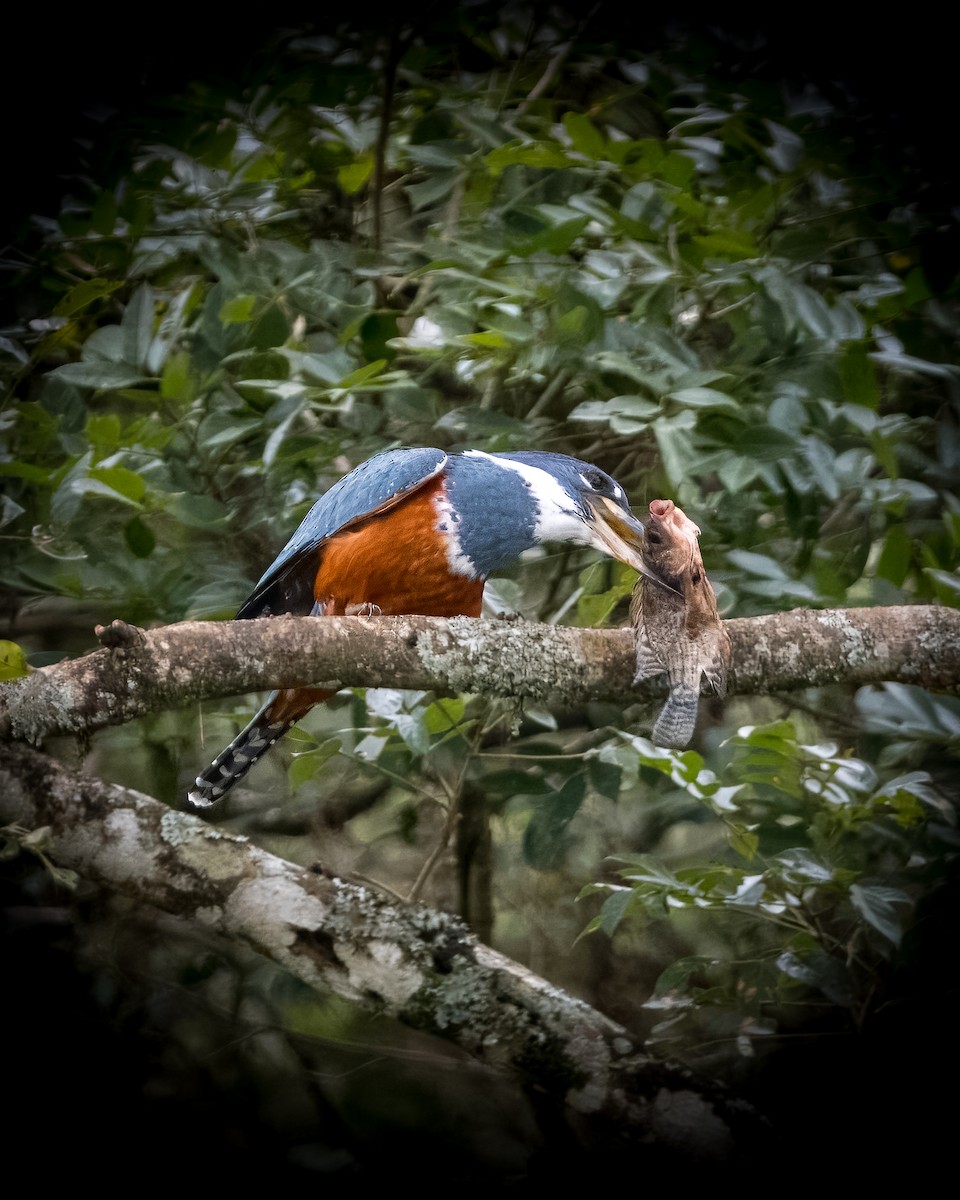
419,531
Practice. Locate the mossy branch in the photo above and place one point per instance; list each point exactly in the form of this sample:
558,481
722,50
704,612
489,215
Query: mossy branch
139,672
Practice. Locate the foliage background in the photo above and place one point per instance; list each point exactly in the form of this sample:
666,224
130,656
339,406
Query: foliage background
721,262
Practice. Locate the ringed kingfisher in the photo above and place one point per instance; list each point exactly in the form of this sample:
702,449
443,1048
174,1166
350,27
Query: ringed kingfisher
420,531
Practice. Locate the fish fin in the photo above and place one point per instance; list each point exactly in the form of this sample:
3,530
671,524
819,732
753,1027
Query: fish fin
648,664
715,673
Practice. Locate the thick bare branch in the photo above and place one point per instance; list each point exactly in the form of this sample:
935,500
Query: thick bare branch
178,664
418,965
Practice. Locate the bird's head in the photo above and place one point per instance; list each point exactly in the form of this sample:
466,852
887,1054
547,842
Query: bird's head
576,502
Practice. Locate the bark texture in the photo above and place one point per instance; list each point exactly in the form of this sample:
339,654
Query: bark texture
413,963
139,672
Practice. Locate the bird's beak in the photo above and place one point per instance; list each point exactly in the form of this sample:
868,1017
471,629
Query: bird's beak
618,532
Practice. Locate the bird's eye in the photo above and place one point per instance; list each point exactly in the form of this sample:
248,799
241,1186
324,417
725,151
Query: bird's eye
596,480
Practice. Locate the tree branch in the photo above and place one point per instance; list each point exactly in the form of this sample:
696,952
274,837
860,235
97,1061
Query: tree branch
144,672
420,966
423,967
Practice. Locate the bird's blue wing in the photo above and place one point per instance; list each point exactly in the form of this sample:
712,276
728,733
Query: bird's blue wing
287,584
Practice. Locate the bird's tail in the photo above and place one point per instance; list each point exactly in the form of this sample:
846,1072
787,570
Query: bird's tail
279,712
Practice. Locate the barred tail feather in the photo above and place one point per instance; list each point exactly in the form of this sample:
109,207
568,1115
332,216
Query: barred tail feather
279,712
675,725
231,764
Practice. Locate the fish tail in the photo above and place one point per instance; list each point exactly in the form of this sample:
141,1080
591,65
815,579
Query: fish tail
675,725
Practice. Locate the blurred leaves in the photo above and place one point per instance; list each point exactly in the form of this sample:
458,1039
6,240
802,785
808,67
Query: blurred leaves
830,909
684,281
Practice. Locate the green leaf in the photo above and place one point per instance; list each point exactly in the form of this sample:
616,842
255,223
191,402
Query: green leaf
488,337
306,764
896,557
625,414
821,971
676,979
238,310
376,330
727,244
196,511
446,714
553,239
411,727
676,450
703,397
545,155
947,585
137,326
908,711
758,564
103,430
139,538
644,869
14,349
614,909
176,382
13,662
27,471
82,295
363,374
744,841
858,376
431,191
759,443
103,376
802,868
545,838
595,610
813,311
270,328
584,135
353,176
369,748
436,154
736,473
880,907
604,777
126,483
575,323
10,510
